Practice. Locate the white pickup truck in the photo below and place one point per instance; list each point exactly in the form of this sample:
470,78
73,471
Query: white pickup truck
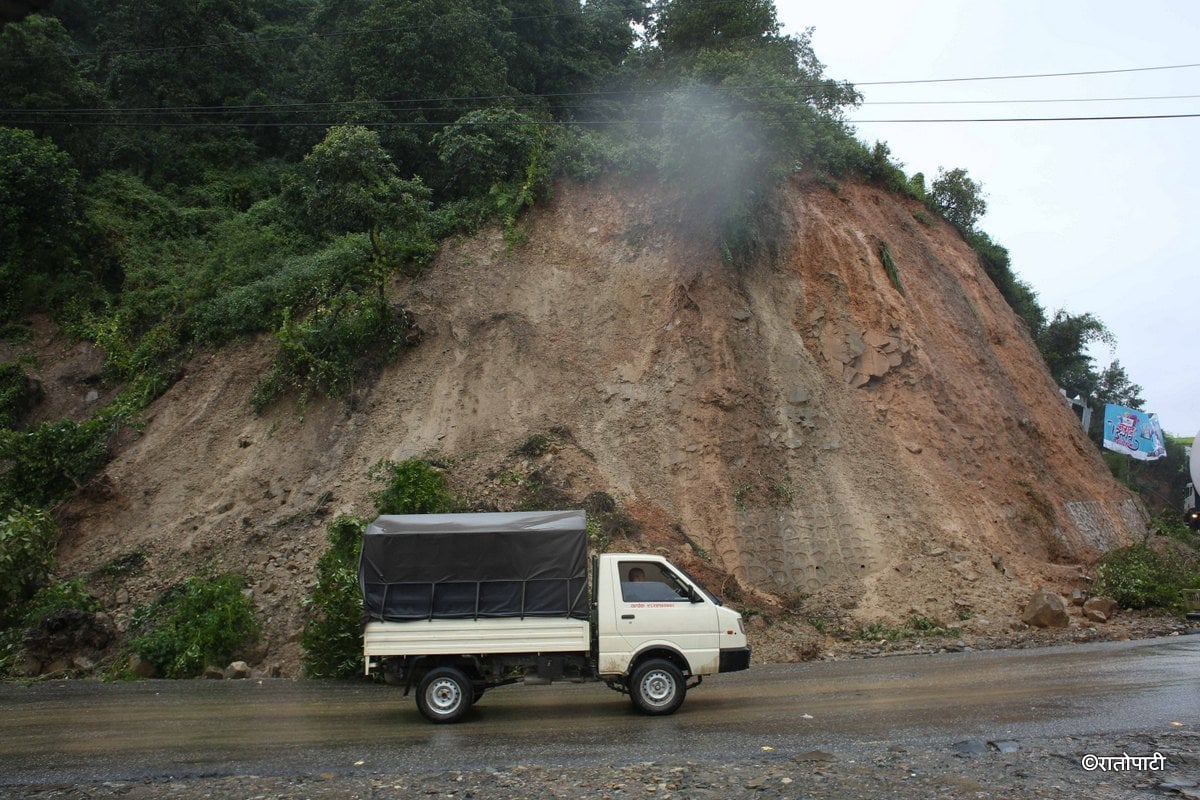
460,603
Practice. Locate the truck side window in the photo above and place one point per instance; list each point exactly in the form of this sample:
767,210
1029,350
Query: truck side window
647,582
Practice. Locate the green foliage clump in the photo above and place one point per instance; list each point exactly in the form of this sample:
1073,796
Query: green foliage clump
40,466
196,623
332,637
329,349
1141,576
409,487
27,538
18,394
885,255
958,198
60,597
39,214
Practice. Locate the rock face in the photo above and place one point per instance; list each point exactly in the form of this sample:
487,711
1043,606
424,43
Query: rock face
792,426
1046,610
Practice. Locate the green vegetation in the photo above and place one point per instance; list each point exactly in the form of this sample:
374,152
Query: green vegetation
914,626
18,394
63,596
409,487
885,255
194,624
1146,576
27,539
332,637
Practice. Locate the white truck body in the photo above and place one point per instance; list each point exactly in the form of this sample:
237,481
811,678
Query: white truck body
480,637
651,630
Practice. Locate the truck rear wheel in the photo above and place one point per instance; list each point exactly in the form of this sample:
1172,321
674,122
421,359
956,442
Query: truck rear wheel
444,695
657,688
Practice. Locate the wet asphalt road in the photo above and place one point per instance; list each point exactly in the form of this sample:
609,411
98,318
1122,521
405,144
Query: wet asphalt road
87,732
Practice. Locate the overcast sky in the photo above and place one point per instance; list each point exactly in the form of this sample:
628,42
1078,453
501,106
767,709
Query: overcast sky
1097,216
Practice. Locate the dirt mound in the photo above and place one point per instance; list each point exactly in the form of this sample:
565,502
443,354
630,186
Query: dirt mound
807,430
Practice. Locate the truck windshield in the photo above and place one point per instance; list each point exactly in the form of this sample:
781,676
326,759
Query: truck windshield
699,585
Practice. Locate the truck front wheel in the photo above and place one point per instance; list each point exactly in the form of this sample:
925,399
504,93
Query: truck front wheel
444,695
657,688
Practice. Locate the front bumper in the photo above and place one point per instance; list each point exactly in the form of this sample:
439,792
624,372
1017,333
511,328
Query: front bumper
734,659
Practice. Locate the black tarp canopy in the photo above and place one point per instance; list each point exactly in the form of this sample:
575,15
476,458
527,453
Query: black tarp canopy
465,566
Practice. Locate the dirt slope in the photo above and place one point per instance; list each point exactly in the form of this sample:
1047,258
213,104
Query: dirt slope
799,429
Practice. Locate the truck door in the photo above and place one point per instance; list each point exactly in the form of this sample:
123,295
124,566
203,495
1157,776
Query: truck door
657,605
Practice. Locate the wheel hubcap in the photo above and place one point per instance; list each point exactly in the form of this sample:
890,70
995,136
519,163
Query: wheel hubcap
444,696
658,688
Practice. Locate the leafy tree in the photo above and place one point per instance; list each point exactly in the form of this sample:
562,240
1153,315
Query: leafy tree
349,184
958,198
682,26
1063,344
332,637
27,538
1114,386
43,76
39,203
486,147
177,53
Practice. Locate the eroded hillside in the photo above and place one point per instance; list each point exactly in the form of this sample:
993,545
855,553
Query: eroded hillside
800,429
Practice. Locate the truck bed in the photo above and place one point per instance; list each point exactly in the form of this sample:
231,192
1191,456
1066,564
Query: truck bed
482,636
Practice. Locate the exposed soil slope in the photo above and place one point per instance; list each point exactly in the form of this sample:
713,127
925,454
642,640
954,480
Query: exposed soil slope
799,429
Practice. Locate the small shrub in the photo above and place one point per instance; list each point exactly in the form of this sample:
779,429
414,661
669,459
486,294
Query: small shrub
1139,576
18,393
27,537
877,631
197,622
926,626
889,265
409,487
536,445
40,466
332,637
63,596
327,351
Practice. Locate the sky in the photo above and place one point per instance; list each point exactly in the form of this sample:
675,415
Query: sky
1097,216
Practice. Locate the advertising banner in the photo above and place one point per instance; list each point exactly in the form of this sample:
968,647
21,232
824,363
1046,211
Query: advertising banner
1134,433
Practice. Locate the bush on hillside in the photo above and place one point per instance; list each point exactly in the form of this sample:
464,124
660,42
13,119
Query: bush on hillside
196,623
27,538
1141,576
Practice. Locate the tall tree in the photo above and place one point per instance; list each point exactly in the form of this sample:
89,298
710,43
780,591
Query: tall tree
960,199
1063,344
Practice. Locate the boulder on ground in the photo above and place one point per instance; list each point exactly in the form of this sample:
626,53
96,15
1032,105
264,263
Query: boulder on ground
237,671
141,668
1100,609
1046,610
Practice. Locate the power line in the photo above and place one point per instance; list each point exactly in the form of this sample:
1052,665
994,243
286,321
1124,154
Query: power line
1020,102
1112,118
443,103
118,123
1023,77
